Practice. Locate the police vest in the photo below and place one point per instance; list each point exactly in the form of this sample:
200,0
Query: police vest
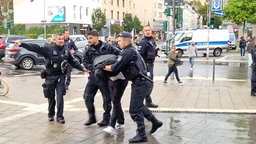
135,68
57,63
151,52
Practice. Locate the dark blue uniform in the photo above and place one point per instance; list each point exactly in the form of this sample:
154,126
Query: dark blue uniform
56,59
253,67
70,44
93,84
147,49
131,64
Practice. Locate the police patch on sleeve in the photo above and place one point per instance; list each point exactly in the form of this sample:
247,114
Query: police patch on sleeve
119,58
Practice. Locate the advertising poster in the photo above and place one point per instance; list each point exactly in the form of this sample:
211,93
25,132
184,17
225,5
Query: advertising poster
56,14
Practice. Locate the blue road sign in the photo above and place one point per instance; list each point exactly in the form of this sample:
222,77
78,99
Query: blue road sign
220,14
216,6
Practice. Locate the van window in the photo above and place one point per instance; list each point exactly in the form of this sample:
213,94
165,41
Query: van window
178,36
187,37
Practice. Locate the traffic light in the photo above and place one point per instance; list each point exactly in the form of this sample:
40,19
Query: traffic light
164,28
212,23
8,24
167,11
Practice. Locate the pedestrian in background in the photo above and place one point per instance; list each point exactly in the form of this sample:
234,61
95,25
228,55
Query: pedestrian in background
172,57
70,44
57,57
97,48
249,49
242,46
131,64
253,67
148,50
192,53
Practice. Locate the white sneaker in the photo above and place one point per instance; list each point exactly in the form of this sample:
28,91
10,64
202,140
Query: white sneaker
110,130
119,126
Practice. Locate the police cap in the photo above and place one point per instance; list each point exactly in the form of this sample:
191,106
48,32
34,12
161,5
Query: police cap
125,35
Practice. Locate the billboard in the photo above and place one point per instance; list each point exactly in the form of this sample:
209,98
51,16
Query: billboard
56,14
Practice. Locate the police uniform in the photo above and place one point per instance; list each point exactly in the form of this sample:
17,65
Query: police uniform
147,49
70,44
253,67
93,84
131,64
57,58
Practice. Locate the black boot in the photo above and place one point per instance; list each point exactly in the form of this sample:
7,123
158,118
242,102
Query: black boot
155,125
140,137
91,121
149,102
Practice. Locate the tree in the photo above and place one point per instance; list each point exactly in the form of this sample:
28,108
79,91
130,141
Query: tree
137,24
128,22
98,19
116,29
241,11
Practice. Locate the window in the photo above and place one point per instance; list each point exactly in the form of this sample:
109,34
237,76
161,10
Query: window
130,4
117,3
104,1
112,14
105,11
111,1
160,14
123,3
123,14
80,12
117,15
87,11
160,6
74,12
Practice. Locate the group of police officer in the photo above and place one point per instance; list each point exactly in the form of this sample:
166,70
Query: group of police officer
128,64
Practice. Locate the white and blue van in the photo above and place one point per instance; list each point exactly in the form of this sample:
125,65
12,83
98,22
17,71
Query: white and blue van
218,41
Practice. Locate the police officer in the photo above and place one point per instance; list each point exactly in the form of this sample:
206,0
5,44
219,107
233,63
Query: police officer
133,68
96,48
57,58
253,67
70,44
148,50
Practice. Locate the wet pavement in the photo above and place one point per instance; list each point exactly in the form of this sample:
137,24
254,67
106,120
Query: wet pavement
200,111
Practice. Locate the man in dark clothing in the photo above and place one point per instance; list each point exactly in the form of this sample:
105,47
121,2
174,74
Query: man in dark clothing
148,50
242,45
131,64
96,48
117,85
253,67
70,44
57,58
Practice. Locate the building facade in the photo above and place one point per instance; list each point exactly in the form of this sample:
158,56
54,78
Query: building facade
75,15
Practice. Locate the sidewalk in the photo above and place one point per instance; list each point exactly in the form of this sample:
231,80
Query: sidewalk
23,113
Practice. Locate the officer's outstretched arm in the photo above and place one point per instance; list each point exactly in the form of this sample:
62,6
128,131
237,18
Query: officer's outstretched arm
44,50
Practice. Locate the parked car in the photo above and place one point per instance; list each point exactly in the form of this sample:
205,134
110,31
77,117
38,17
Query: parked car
22,58
5,41
78,38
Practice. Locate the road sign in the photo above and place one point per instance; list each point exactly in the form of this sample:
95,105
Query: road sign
216,6
219,14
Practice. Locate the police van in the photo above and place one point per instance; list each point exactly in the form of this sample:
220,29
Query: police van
218,41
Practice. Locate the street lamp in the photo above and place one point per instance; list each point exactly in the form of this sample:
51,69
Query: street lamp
144,17
110,24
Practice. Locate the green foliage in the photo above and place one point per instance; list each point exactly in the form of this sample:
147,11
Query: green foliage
137,24
98,19
116,29
128,22
241,11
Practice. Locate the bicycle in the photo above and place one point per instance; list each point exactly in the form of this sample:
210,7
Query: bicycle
4,86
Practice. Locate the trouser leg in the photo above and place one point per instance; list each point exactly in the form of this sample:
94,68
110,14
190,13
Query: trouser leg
104,89
60,89
89,94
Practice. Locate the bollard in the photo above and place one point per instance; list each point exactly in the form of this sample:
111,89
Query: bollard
213,70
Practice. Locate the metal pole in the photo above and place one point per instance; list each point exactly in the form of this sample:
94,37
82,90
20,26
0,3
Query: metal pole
208,39
8,16
173,20
44,22
213,69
